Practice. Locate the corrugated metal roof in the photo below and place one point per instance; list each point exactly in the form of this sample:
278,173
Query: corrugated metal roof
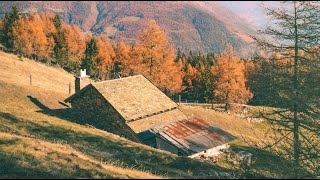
165,117
192,135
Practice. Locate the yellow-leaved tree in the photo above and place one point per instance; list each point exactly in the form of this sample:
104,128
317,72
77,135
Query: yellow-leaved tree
158,59
75,45
33,36
229,75
126,59
105,54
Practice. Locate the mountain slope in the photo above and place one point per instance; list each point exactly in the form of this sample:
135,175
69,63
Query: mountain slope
205,26
251,10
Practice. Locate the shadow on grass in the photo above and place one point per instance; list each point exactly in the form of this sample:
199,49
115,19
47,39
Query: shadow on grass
64,113
9,117
11,167
21,165
119,128
267,164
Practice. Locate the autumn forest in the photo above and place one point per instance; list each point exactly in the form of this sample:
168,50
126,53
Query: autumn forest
194,75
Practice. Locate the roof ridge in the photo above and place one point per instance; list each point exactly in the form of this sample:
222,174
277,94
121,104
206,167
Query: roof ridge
115,79
151,114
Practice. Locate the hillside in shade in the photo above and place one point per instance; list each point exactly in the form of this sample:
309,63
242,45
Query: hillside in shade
204,26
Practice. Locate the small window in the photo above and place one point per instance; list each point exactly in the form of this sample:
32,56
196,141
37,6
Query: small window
99,102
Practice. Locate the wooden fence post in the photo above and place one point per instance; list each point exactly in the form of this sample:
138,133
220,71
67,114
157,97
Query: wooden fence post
179,99
30,80
69,88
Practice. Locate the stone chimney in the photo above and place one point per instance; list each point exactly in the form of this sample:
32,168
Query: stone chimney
81,80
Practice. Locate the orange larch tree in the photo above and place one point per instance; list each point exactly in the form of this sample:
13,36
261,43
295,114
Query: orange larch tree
30,39
49,30
22,42
128,60
192,77
38,37
170,76
104,57
229,75
75,45
158,58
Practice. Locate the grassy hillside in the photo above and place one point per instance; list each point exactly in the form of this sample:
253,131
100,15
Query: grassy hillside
37,144
36,141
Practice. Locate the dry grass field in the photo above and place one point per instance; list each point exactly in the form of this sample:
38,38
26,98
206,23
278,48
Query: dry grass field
35,142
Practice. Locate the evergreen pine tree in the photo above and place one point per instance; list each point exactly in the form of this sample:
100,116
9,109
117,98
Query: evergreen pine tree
8,24
59,39
90,60
179,55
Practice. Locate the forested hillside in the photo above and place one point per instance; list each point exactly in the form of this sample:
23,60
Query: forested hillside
196,26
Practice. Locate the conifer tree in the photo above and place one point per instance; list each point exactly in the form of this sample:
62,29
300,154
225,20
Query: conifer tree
8,24
59,48
206,87
90,60
179,55
229,83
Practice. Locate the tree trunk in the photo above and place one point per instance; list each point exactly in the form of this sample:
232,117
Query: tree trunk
296,122
151,65
226,107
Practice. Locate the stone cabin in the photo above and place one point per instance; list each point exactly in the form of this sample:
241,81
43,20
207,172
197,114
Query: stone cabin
130,106
124,106
191,137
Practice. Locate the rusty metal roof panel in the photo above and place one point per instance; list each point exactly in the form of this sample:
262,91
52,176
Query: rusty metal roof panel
151,121
193,134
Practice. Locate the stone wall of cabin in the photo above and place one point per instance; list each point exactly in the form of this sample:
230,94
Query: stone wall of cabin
101,114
